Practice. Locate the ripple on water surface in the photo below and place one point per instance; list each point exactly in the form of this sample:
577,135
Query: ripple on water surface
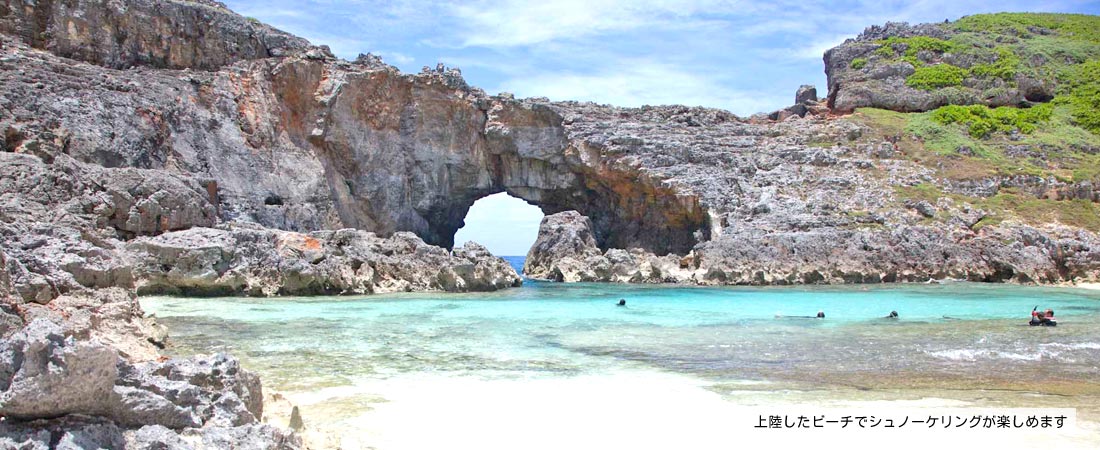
955,336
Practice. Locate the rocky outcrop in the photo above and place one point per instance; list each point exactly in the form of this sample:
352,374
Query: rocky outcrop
566,252
869,71
242,259
50,382
175,34
304,143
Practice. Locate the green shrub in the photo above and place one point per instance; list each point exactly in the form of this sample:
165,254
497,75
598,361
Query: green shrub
913,61
936,76
981,120
1004,67
915,44
1081,91
859,63
885,51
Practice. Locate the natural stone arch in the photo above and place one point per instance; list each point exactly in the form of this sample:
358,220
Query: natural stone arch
410,156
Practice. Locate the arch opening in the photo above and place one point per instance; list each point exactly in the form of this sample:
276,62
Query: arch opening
504,224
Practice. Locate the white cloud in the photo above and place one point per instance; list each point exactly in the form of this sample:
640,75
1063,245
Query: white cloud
642,82
511,23
396,57
816,49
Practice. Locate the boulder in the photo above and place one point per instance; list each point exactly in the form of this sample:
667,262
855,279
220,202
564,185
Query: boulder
807,93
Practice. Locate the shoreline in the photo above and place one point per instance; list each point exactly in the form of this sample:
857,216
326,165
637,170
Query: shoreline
643,409
1086,286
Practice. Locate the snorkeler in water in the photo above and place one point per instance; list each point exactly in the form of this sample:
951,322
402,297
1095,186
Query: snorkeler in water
820,315
892,315
622,302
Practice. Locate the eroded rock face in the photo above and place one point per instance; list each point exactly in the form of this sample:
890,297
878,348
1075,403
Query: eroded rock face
566,251
305,144
174,34
908,254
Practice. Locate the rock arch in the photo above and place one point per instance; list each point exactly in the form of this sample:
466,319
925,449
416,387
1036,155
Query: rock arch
404,155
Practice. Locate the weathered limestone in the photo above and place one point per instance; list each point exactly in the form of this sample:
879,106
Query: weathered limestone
46,375
252,260
566,252
173,34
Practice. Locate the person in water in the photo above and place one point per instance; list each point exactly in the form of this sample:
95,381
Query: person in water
1045,318
892,315
622,302
820,315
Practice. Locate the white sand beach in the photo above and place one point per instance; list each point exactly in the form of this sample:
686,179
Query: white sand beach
635,410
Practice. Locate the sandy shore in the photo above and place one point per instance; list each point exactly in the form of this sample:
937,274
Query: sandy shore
642,410
1089,286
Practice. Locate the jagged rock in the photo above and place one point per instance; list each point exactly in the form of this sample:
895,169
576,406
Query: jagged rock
111,316
807,93
45,374
565,243
67,433
566,251
160,33
239,258
811,257
155,437
923,207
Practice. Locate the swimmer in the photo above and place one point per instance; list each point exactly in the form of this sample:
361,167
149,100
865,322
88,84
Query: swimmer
622,302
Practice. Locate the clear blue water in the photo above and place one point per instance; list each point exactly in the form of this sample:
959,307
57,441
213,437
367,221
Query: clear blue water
721,333
516,262
724,335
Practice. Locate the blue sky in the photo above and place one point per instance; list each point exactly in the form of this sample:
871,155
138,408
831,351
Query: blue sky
742,56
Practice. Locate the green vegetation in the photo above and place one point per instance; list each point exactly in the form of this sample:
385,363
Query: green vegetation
1080,27
1055,55
936,77
1082,94
942,139
997,50
914,45
1012,204
1004,67
982,120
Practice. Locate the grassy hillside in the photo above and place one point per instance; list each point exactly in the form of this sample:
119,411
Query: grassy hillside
1059,53
1052,136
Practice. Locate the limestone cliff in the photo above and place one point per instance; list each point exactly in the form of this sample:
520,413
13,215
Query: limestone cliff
305,142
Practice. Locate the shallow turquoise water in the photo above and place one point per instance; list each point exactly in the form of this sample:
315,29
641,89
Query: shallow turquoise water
723,335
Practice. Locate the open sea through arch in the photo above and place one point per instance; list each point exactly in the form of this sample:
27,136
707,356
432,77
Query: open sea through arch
346,358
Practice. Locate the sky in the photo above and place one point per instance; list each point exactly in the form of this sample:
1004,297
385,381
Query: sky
743,56
506,225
